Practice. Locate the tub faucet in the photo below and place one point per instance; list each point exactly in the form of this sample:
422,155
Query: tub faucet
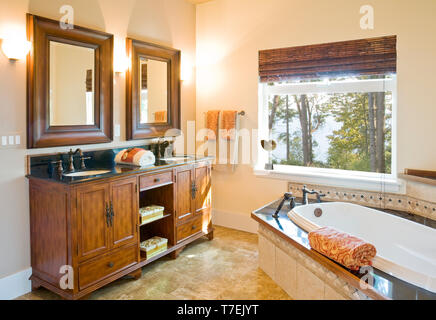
286,196
307,191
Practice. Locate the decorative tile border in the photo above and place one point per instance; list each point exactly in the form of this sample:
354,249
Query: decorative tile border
391,201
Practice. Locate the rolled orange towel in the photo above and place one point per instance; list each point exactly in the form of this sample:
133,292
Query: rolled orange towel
135,157
343,248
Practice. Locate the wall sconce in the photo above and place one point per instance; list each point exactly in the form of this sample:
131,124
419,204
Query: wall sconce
121,63
15,49
186,73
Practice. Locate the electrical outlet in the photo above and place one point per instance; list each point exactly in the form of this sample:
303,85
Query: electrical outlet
10,140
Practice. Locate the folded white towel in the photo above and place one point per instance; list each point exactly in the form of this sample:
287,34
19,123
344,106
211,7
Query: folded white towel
135,157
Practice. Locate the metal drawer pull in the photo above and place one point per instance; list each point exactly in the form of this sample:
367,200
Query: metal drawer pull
156,180
194,227
110,264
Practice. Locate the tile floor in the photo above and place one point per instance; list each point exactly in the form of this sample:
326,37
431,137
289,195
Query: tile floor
225,268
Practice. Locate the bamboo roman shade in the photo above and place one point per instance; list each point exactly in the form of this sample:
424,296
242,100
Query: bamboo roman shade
375,56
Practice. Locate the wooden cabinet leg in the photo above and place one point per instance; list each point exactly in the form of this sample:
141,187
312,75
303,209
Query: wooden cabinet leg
136,274
35,284
176,253
210,236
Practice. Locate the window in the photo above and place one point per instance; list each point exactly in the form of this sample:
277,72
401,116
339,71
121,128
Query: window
337,123
331,109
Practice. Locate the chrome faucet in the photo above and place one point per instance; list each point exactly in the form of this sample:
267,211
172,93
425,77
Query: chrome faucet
307,191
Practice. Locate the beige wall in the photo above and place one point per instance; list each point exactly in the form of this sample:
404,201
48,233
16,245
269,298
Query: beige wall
231,32
167,22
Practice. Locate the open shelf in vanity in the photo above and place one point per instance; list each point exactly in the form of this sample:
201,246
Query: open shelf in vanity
158,191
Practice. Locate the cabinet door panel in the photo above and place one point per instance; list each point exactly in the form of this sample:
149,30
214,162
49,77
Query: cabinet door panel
93,235
125,212
184,208
203,196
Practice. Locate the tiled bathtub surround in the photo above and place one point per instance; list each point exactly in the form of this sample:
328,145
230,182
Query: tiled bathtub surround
292,238
386,201
299,275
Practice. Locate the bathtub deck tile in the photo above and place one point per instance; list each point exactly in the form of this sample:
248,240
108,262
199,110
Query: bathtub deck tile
286,272
309,286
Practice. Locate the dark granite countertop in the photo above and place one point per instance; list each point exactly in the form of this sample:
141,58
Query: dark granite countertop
41,167
384,284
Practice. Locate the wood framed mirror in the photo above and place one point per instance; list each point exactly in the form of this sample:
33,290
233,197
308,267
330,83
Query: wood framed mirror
152,90
69,84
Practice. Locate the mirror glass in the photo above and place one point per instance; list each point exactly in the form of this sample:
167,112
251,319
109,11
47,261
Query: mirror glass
153,85
72,72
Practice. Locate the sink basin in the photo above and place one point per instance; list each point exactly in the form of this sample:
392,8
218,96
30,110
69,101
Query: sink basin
176,158
86,173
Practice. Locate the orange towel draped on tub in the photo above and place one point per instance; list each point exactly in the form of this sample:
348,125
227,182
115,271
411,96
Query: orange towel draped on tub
343,248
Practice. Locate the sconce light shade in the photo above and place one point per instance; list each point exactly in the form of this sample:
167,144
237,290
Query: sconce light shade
121,63
186,73
15,49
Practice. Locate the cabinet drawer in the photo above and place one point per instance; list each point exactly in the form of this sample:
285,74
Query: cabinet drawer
150,181
96,270
190,228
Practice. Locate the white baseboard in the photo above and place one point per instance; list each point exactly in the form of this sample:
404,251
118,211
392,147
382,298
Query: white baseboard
234,220
15,285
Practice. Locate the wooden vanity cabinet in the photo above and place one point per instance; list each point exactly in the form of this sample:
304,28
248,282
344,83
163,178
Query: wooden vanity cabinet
106,216
193,211
93,227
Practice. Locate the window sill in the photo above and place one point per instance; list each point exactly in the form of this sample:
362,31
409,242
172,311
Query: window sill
353,180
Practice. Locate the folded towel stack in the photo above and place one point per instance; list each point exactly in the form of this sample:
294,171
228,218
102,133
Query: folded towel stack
343,248
135,157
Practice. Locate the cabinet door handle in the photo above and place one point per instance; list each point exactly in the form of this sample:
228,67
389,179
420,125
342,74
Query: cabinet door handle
107,214
193,190
156,180
194,227
110,264
112,214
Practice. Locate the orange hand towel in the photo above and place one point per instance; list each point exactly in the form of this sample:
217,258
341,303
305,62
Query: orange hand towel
212,124
228,124
160,116
343,248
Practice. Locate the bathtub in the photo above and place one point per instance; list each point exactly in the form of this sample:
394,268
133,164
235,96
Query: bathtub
405,249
